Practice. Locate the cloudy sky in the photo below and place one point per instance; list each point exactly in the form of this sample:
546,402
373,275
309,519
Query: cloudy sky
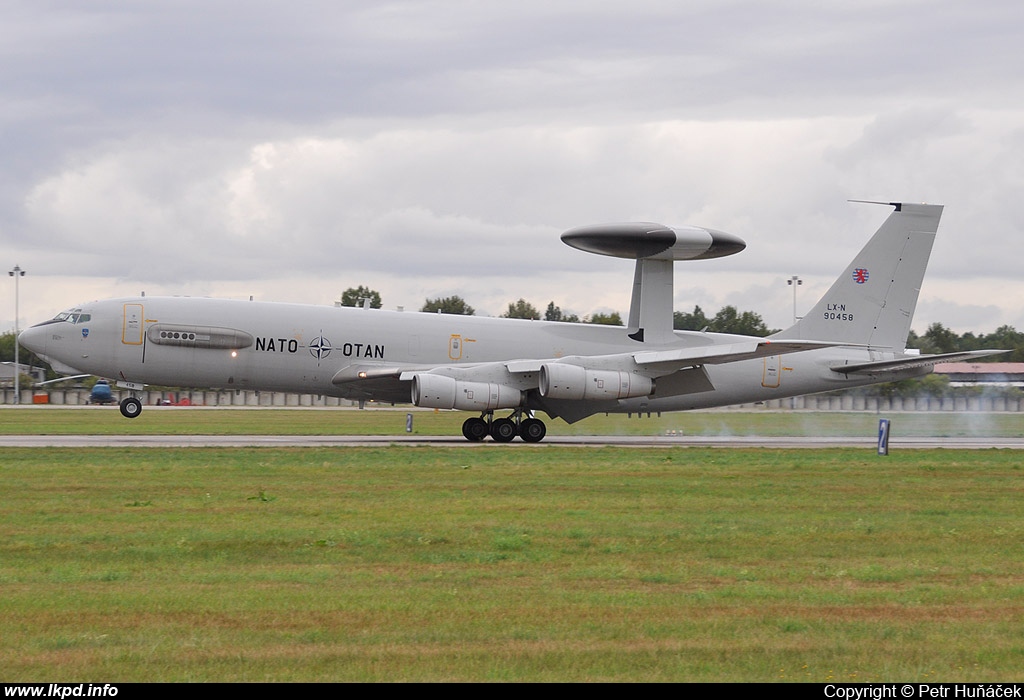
289,151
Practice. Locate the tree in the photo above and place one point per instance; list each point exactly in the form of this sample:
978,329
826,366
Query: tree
612,319
695,321
939,339
554,313
448,305
729,320
25,356
353,296
913,340
7,347
1005,338
522,309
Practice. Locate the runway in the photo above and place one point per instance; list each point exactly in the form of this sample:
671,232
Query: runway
953,443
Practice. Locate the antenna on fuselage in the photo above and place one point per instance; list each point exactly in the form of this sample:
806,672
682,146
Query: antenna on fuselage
655,248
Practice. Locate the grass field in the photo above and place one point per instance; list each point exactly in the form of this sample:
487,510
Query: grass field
96,420
554,564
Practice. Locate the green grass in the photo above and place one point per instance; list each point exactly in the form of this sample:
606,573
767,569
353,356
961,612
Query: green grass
491,564
52,420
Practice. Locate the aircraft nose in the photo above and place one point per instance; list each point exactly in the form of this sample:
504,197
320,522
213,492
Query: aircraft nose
34,339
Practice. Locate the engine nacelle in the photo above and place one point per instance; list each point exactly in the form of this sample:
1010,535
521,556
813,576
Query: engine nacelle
565,381
439,391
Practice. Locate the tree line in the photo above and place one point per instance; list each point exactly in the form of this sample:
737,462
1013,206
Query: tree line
936,340
728,319
939,339
357,296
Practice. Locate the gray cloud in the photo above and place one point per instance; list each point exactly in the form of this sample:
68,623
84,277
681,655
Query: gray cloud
427,147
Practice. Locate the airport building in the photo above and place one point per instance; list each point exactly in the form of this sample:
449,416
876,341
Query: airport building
7,374
982,373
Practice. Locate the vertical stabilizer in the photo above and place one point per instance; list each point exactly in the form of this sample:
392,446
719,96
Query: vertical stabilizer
873,301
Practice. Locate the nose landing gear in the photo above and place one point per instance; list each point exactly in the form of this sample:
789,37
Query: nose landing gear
130,407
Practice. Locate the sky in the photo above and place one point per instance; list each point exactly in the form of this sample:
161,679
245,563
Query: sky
289,151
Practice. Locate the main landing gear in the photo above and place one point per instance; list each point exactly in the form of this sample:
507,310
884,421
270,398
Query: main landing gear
504,429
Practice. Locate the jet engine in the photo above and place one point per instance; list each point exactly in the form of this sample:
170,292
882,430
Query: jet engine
565,381
439,391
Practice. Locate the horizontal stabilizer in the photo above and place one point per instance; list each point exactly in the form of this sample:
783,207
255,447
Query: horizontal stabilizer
912,362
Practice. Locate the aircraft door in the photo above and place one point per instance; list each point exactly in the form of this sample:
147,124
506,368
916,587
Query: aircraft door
772,376
455,347
133,328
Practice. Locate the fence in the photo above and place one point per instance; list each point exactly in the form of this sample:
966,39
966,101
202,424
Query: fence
80,397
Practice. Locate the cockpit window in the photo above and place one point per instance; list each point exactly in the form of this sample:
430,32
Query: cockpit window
73,316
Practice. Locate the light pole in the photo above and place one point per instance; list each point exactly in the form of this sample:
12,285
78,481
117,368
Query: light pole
794,282
16,273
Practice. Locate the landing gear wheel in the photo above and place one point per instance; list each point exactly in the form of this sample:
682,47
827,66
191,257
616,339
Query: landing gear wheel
532,430
503,430
131,407
475,429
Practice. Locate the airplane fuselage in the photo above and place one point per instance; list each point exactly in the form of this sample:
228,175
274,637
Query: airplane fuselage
227,344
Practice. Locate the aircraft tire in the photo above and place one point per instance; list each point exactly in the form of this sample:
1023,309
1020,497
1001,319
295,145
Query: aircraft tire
532,430
474,429
131,407
503,430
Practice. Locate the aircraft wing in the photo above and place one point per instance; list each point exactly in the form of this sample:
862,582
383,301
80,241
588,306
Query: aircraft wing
732,352
389,382
912,362
658,360
661,361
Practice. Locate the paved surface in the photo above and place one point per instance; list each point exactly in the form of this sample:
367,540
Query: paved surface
458,441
